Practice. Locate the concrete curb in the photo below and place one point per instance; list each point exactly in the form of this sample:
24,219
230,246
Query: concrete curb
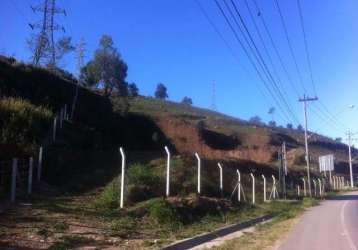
203,238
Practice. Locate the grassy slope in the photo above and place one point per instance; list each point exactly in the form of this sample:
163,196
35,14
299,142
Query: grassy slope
113,224
229,125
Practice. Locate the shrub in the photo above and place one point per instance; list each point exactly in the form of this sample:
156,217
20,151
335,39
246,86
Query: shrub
23,123
163,213
144,183
109,197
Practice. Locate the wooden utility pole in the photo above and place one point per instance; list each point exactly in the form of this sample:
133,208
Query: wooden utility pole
306,99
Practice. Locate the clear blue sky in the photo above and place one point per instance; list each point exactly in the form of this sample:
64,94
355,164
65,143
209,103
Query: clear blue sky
171,42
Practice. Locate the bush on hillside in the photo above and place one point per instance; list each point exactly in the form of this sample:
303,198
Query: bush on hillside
23,123
164,213
144,183
109,197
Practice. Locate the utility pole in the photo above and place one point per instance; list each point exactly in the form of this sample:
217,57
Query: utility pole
350,134
284,170
306,99
44,41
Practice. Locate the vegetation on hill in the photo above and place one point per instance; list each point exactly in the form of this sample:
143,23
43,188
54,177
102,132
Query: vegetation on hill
84,161
22,124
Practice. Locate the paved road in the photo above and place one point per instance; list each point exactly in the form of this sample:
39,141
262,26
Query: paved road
331,225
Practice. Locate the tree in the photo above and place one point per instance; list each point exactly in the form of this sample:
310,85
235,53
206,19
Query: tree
107,69
300,128
338,139
62,47
272,112
161,91
133,90
289,126
272,124
187,101
256,120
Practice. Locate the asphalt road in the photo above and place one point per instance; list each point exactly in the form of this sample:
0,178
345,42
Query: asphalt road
331,225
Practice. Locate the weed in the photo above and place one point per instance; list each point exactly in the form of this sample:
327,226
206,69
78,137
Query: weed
44,232
164,214
108,199
144,183
60,226
21,122
70,241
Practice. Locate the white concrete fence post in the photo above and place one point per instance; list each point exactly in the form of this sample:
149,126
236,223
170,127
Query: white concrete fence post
320,187
54,129
304,187
221,178
264,178
315,187
167,191
29,179
238,185
253,187
199,172
122,175
298,191
274,190
39,166
339,182
13,180
334,182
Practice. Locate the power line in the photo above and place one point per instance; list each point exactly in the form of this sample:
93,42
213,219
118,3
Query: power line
262,18
232,52
333,121
259,57
327,114
265,48
290,45
306,45
250,58
308,57
325,120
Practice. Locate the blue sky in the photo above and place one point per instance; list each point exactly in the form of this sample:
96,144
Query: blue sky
171,42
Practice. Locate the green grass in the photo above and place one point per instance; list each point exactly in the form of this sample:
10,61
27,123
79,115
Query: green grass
69,242
23,123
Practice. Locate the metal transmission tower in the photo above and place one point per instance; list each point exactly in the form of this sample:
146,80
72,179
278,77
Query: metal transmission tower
213,97
306,99
44,43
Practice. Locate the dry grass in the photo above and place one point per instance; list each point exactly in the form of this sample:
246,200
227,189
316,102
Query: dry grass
266,236
269,235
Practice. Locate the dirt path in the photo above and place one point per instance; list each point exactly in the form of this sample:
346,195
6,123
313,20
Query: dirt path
56,224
